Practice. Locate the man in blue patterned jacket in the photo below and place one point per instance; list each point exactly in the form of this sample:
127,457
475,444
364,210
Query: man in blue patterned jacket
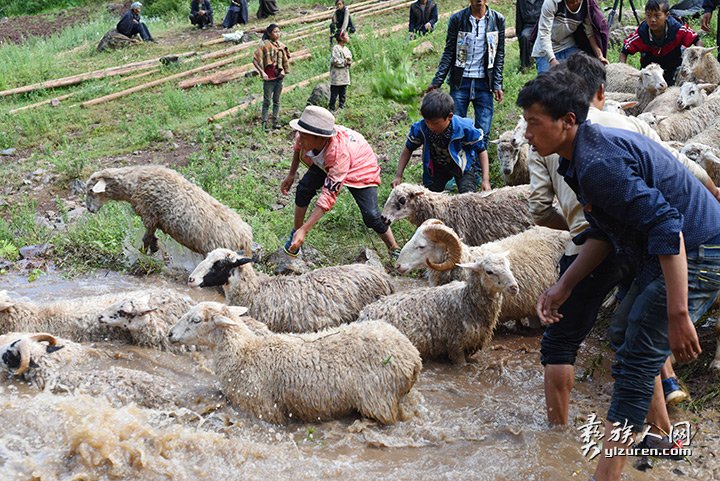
639,200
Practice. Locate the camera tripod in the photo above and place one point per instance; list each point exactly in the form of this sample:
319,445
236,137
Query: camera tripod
617,8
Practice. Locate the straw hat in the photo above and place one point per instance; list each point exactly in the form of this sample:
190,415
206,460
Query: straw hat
315,121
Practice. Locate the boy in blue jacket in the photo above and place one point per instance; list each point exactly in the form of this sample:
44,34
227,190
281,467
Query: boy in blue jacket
451,147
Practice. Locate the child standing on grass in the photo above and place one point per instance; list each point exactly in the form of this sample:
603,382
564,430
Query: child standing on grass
660,39
340,62
272,61
451,146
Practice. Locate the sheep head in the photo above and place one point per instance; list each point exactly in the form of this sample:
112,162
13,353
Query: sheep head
494,272
692,95
508,154
199,325
18,355
400,203
651,118
695,63
130,313
96,193
216,268
429,247
652,80
5,301
617,107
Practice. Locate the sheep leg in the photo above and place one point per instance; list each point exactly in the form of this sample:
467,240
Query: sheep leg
457,356
150,242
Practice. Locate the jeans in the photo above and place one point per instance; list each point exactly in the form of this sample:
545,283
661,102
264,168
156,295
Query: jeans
477,91
337,91
639,332
366,198
543,64
466,182
272,89
562,340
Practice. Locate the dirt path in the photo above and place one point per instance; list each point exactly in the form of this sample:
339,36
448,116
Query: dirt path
19,29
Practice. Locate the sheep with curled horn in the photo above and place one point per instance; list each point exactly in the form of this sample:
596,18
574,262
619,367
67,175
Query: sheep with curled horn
166,200
476,217
316,300
60,366
455,320
533,257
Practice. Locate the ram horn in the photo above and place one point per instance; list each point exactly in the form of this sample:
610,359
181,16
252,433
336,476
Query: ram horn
24,350
444,235
49,338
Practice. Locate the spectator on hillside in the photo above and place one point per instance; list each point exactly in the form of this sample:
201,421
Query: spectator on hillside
527,14
341,21
267,8
340,62
660,39
272,61
130,24
237,13
708,7
201,13
423,17
473,58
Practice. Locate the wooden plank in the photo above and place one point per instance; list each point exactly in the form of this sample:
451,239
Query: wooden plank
39,104
97,74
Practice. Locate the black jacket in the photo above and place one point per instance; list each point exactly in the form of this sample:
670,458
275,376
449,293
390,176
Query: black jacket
338,20
197,5
127,23
420,15
459,23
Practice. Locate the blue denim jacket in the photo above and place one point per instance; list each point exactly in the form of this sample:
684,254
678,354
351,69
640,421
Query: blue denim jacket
465,145
638,196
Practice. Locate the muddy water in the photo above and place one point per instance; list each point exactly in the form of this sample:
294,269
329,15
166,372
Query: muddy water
484,421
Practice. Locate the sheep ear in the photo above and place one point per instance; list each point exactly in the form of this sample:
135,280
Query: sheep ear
99,186
242,261
660,118
222,321
628,105
5,305
496,141
707,50
238,310
707,87
474,266
634,74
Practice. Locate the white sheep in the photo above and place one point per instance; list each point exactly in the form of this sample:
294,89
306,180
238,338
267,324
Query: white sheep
322,298
684,125
513,161
165,200
476,217
647,83
676,99
705,156
148,316
367,367
75,319
60,366
618,107
699,65
533,256
454,320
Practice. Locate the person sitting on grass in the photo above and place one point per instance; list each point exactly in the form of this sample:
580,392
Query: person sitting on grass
130,24
451,146
201,13
660,39
340,62
335,156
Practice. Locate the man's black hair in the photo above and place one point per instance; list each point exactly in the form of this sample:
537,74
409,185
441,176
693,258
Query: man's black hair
437,105
590,69
657,6
558,91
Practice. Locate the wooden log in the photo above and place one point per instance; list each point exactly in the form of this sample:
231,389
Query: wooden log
138,88
136,76
235,72
39,104
97,74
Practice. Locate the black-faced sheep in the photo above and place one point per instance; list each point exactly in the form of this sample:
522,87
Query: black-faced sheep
165,200
476,217
533,256
365,367
322,298
148,316
454,320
